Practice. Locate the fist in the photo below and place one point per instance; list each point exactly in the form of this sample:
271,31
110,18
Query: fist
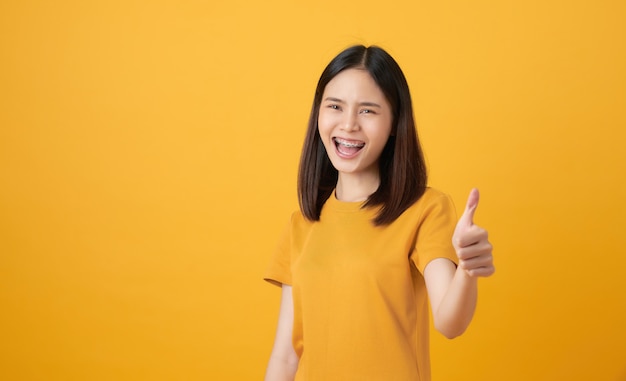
471,242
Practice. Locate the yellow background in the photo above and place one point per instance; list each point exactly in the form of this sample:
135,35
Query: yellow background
148,154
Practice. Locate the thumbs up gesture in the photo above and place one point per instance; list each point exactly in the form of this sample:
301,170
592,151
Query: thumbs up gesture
471,243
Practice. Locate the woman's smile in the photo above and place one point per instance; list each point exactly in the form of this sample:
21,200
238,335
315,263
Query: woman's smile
348,148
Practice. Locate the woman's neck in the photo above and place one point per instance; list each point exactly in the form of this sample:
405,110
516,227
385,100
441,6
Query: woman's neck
351,188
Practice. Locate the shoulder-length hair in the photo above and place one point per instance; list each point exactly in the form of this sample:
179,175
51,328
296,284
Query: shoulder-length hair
402,168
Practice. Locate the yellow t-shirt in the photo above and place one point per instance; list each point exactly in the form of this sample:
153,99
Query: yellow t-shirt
360,302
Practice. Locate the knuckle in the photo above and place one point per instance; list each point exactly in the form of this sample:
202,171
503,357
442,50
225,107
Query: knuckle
462,253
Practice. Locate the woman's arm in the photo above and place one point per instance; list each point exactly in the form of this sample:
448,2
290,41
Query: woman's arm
283,361
453,290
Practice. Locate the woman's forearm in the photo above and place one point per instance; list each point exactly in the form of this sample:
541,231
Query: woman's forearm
281,369
456,309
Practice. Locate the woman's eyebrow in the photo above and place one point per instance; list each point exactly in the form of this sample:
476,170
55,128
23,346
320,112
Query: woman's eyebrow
368,104
332,99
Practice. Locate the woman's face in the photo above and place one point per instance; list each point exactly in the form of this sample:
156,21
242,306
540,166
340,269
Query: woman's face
354,122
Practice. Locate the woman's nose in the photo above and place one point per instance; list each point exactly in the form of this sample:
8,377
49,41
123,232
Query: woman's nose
350,122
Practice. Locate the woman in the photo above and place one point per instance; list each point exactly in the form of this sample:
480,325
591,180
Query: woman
371,243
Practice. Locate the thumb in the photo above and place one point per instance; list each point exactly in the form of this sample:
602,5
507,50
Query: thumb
467,219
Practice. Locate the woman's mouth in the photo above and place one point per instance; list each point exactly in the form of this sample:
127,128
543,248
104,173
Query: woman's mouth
348,148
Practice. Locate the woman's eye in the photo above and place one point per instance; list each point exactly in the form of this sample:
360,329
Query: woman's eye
367,111
334,107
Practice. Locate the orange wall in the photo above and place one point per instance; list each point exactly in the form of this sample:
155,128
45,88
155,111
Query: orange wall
148,153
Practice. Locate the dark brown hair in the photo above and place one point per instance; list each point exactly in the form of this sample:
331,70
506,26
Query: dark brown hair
402,168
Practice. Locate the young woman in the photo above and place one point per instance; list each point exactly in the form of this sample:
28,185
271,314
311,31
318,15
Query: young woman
371,243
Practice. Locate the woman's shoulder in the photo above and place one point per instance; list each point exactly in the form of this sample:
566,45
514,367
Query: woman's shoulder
432,199
297,219
434,195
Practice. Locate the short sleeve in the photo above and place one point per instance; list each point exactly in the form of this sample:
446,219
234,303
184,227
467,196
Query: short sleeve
279,270
434,234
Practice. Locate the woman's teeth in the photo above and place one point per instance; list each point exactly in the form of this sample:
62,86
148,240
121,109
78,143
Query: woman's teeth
349,144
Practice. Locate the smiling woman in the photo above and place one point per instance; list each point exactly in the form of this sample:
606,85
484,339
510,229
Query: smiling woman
371,243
